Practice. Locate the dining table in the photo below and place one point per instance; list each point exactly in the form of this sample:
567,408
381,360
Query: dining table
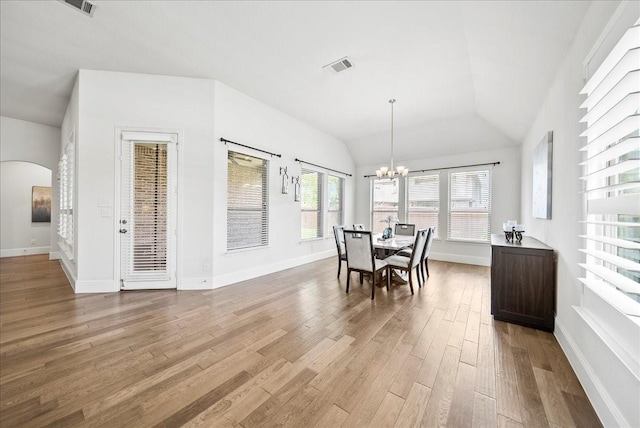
392,245
387,247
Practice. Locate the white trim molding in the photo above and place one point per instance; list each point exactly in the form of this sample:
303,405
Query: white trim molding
604,405
245,274
458,258
29,251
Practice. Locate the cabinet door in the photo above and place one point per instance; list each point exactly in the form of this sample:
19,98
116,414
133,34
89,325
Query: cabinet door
522,286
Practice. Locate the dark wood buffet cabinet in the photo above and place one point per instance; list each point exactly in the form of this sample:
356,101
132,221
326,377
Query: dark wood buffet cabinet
523,282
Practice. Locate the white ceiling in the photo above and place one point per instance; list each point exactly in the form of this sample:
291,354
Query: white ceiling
467,75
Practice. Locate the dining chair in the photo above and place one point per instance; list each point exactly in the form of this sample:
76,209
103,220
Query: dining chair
424,259
358,226
408,264
359,249
424,262
338,233
405,229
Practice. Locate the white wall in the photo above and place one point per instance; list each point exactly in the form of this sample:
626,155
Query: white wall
247,121
202,111
505,199
612,387
39,144
16,229
108,100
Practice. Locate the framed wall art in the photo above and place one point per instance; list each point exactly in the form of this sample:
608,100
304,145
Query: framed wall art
40,204
542,177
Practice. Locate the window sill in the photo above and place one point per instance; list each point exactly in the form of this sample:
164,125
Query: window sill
244,250
302,241
466,241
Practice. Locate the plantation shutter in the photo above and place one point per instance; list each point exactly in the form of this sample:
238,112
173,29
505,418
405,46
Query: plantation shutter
247,201
611,176
470,205
66,178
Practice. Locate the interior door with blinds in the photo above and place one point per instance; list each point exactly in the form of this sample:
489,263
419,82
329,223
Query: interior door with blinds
148,210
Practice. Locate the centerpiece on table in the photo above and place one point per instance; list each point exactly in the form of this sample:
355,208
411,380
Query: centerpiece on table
388,231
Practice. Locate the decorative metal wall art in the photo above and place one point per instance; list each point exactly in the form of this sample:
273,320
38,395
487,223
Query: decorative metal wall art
296,188
285,180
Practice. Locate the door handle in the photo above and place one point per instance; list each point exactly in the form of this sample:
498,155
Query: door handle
123,230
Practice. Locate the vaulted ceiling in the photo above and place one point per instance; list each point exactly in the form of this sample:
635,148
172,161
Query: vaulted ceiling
468,75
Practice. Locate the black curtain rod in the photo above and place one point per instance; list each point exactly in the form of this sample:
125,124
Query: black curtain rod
438,169
224,140
323,167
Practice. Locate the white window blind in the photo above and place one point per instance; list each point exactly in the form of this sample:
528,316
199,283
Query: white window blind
611,176
311,184
247,201
335,192
470,205
66,183
423,201
384,201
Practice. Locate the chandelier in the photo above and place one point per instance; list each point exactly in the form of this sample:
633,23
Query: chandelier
389,171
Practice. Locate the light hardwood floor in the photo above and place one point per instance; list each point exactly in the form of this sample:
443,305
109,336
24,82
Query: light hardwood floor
291,348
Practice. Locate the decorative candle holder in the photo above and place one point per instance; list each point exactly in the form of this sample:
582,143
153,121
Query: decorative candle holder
513,231
513,234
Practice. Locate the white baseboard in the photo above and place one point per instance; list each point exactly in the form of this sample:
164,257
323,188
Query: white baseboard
459,258
29,251
54,255
600,400
232,278
195,284
101,286
68,273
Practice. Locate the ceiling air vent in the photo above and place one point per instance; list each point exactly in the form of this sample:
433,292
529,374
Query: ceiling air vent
81,5
339,65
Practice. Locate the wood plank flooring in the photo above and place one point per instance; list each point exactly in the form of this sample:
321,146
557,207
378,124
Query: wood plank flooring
288,349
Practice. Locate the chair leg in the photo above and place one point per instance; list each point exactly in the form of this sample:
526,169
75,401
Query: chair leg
373,285
348,279
361,278
426,265
419,275
339,266
411,281
388,277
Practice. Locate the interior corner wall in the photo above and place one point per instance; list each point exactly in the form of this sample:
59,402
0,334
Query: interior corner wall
109,100
36,143
610,385
245,120
505,204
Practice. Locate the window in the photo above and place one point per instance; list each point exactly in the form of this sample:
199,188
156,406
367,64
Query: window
612,179
335,186
247,201
470,205
66,183
311,204
423,201
385,200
